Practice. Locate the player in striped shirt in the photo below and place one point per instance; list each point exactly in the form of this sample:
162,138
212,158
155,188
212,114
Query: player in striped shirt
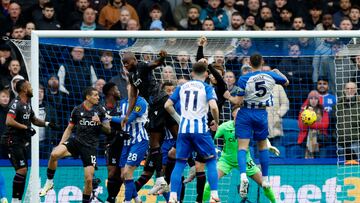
251,120
195,97
135,148
228,159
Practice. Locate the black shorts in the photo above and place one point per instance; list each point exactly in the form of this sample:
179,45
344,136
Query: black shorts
18,156
87,154
113,151
159,117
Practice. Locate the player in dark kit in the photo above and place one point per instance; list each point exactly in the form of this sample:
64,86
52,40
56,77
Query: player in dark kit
114,141
89,119
18,134
143,83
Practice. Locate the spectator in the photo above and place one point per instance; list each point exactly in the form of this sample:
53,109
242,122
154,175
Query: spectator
99,84
298,23
286,15
132,25
192,22
315,132
168,75
88,21
18,32
35,12
348,126
4,7
182,64
345,24
208,25
276,11
298,70
245,69
236,22
229,8
181,12
145,6
314,18
276,112
75,75
14,69
47,138
48,20
111,13
323,62
270,46
30,26
327,23
13,19
121,81
306,45
245,47
76,16
345,6
5,58
107,69
265,14
155,16
4,102
217,14
249,23
219,57
125,16
354,17
230,81
253,8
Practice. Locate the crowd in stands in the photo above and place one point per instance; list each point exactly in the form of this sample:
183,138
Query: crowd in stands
309,63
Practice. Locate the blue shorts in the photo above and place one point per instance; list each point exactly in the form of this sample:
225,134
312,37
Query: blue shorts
251,122
134,153
203,144
165,148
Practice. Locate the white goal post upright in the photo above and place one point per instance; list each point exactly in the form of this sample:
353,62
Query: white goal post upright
34,71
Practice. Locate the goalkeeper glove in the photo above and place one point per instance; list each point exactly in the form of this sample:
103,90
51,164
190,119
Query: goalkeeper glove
272,149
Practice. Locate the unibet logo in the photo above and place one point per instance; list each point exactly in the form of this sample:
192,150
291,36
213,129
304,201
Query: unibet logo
87,123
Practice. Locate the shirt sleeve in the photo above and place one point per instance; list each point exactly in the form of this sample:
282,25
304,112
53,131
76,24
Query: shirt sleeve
175,97
13,109
139,109
219,132
73,117
242,85
210,93
103,117
278,79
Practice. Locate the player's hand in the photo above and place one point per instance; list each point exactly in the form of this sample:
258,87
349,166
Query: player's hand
274,150
54,126
96,119
30,131
162,53
202,41
124,122
213,126
203,60
227,94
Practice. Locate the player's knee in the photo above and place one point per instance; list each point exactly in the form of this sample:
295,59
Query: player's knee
172,153
88,180
199,166
22,171
113,172
54,155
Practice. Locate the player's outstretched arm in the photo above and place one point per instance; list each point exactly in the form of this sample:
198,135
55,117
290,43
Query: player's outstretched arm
235,100
159,61
67,133
38,122
282,75
169,106
133,94
106,127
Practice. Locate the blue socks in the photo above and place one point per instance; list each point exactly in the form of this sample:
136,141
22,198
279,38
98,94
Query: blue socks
176,175
264,161
130,190
211,173
2,186
241,156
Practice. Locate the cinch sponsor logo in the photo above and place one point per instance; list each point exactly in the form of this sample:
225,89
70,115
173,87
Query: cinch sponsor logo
26,116
88,123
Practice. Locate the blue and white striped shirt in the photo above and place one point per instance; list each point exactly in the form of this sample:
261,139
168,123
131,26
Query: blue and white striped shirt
137,120
194,97
257,88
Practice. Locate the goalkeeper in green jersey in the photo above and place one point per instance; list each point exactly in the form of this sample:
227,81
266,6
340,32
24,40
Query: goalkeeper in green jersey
228,158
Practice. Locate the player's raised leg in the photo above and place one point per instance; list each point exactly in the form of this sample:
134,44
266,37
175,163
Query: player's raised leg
58,152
